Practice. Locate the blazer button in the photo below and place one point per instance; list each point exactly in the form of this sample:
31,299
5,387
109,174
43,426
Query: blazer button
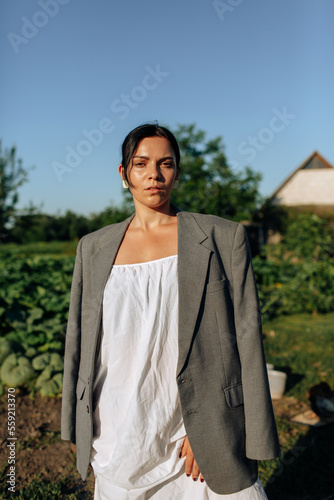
185,380
87,409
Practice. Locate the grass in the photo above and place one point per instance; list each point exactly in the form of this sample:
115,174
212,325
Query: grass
49,248
303,347
39,489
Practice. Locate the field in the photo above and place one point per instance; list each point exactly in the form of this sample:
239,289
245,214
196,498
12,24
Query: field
34,298
303,347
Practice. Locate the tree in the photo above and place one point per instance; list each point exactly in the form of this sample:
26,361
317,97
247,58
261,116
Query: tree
110,215
207,182
12,176
33,225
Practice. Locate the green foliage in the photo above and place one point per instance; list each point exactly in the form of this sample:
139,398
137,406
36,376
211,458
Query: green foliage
5,349
110,215
288,288
56,361
52,386
32,225
30,353
16,370
34,302
207,182
303,231
50,249
297,275
310,237
45,376
49,382
12,176
42,361
38,489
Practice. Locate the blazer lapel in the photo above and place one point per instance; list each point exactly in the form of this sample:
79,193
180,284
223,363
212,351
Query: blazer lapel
102,259
193,259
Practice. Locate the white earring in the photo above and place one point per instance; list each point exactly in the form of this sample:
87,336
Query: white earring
125,184
176,184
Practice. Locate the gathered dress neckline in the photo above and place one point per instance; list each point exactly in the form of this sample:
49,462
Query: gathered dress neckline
146,262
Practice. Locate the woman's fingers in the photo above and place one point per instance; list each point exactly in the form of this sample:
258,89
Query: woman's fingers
195,473
184,448
191,467
189,462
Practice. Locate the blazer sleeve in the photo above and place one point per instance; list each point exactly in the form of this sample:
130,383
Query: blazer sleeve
72,352
261,434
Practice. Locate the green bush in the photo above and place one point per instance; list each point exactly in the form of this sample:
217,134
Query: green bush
34,301
310,237
288,288
296,275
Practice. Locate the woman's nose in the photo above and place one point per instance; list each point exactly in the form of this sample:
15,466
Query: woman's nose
155,172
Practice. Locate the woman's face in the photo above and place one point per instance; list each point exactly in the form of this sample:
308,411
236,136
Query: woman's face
152,172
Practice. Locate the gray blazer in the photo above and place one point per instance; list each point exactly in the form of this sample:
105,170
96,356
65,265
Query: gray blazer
221,372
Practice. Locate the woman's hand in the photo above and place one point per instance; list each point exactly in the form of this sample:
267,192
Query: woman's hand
191,465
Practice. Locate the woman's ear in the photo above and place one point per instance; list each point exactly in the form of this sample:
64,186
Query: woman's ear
125,183
121,171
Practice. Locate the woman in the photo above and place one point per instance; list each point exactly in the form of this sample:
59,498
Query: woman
165,385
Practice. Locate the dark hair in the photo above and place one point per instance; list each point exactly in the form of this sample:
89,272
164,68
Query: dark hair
136,135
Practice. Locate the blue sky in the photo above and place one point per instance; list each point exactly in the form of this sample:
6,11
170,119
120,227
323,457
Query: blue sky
258,73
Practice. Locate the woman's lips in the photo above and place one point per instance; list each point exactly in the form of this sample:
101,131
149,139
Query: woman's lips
153,189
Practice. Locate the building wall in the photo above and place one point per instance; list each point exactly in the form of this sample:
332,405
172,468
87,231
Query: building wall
308,187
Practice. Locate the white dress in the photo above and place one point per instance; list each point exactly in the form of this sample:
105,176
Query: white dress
138,424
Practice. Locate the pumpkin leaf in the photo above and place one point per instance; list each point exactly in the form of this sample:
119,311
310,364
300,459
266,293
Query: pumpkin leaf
41,361
5,349
16,370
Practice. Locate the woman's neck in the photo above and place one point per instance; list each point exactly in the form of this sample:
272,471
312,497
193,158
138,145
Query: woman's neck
149,218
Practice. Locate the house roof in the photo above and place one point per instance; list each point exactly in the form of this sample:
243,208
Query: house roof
313,162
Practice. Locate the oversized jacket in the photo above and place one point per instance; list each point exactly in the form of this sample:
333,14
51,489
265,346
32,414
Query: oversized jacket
221,373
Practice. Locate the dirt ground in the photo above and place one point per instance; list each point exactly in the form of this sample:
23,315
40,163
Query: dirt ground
40,450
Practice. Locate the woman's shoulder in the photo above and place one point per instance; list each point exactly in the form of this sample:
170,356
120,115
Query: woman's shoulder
90,239
210,221
226,233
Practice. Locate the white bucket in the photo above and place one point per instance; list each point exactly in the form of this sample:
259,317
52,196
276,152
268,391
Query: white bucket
270,366
277,381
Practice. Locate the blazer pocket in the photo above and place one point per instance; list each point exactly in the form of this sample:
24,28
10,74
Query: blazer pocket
215,286
81,387
234,395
